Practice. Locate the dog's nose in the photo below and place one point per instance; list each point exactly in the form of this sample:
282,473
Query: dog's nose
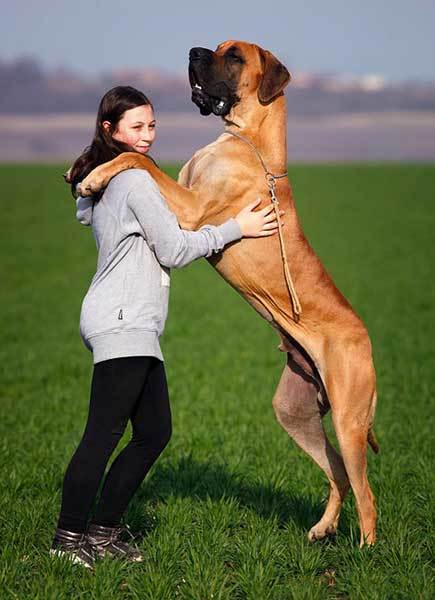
200,54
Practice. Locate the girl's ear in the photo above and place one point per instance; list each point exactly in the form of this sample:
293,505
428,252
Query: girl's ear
106,125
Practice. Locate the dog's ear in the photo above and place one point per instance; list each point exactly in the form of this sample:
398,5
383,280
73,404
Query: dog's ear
274,79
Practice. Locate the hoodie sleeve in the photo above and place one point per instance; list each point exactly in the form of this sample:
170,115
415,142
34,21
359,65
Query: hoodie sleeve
85,208
173,246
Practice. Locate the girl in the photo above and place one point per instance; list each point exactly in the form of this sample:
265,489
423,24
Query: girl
122,318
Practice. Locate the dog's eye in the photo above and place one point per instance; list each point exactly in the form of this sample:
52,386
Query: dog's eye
234,57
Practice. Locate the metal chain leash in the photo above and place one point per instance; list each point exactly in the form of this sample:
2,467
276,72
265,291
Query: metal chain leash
271,183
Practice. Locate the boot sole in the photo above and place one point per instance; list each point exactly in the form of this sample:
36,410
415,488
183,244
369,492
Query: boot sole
121,556
71,557
118,553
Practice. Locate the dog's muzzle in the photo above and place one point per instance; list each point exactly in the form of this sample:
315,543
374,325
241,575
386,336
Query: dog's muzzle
216,98
210,104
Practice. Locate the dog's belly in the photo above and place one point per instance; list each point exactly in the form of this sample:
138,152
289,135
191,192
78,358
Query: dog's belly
265,290
258,299
254,268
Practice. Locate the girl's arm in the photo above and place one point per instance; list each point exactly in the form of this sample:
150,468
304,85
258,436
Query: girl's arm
175,247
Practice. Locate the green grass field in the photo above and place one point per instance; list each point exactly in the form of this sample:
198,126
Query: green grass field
225,511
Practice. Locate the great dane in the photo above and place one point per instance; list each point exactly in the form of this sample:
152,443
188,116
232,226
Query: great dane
329,357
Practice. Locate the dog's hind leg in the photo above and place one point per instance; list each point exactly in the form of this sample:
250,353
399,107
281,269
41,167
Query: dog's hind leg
351,391
299,411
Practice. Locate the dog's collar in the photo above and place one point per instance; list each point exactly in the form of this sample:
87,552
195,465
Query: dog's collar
269,176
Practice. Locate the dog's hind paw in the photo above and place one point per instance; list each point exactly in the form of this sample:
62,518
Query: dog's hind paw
320,531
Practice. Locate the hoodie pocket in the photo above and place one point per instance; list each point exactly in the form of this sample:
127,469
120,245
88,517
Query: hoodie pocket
140,304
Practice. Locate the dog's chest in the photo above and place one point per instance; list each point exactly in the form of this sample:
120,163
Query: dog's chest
207,167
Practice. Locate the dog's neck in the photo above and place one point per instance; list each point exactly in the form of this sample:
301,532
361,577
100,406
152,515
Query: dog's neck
265,127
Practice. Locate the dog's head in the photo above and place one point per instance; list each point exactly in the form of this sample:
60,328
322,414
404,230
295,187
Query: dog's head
231,74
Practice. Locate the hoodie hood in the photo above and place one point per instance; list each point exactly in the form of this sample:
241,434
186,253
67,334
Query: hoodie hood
85,209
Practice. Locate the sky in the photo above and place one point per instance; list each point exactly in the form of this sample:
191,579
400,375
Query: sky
392,38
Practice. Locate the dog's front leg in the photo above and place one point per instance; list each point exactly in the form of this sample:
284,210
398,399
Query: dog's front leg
185,203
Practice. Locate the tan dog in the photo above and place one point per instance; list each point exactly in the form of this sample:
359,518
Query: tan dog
329,358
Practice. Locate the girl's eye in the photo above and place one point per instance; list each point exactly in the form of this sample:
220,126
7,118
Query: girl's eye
153,126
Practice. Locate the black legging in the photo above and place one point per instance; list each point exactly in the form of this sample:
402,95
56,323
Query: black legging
122,388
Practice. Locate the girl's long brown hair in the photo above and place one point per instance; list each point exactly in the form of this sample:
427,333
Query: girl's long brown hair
103,147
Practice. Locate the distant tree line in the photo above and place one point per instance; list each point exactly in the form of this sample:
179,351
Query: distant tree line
27,88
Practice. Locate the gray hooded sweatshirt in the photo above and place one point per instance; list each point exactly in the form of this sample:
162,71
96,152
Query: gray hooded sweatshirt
138,239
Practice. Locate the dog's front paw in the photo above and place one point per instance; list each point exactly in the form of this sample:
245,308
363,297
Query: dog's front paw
81,190
93,183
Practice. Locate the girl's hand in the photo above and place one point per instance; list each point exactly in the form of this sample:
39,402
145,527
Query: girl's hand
261,223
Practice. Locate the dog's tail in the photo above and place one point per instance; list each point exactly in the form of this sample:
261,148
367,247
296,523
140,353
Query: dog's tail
371,438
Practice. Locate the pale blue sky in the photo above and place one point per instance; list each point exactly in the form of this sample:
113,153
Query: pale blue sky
394,38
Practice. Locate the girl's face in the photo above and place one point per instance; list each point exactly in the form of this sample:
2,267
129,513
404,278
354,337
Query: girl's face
136,127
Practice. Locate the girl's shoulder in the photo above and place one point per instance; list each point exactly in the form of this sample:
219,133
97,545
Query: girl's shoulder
128,179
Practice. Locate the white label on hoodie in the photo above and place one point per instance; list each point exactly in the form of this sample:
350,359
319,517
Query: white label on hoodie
166,279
